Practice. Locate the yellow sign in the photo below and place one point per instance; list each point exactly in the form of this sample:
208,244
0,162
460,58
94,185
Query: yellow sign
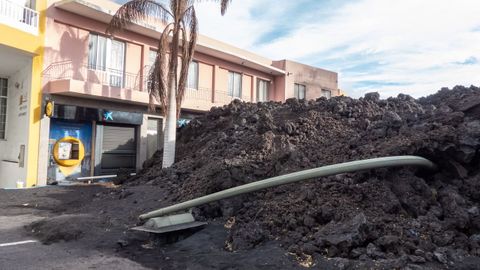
68,152
49,108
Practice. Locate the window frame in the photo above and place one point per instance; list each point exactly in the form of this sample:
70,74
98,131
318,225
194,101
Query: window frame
108,59
296,91
151,60
329,96
93,41
197,77
149,67
267,84
231,92
4,82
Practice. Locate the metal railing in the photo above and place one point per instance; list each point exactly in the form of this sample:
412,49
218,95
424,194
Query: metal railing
224,97
95,74
218,98
130,81
18,16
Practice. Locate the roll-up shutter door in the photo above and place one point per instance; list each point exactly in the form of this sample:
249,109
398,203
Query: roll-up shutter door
119,149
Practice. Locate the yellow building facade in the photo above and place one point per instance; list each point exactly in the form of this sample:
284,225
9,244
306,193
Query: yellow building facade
22,28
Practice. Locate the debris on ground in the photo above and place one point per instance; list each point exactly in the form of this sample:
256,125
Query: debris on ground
399,216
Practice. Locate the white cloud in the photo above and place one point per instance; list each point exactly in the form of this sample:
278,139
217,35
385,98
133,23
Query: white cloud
238,27
416,42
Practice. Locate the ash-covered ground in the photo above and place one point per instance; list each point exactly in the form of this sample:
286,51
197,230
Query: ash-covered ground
402,217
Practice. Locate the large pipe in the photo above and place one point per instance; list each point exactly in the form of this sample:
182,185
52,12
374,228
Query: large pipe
353,166
100,177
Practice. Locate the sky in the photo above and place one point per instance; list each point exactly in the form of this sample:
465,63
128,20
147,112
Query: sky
413,47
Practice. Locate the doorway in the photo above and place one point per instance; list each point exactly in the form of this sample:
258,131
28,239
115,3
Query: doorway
154,136
115,148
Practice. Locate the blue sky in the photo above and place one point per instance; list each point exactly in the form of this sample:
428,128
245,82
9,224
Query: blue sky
390,46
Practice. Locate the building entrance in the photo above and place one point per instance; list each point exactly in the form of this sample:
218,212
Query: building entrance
116,148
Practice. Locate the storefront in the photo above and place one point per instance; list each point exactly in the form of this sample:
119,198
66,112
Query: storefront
89,142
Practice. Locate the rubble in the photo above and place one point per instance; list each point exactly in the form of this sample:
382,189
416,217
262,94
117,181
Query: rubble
379,214
402,217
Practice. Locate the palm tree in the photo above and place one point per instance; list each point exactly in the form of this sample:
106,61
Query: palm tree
168,76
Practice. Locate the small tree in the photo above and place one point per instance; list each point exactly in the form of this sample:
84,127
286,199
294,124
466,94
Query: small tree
169,74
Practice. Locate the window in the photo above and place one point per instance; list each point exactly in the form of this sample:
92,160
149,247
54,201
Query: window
326,93
152,56
300,91
3,107
192,81
262,91
116,63
107,55
234,84
97,52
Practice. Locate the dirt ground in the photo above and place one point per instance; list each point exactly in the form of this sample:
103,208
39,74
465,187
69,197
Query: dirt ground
80,244
402,218
81,239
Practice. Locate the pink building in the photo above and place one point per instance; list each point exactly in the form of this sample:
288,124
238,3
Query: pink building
99,86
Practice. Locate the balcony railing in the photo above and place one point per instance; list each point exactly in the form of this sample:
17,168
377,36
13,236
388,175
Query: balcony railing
95,74
19,16
116,78
218,98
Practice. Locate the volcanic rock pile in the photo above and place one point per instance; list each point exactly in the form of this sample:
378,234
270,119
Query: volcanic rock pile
402,214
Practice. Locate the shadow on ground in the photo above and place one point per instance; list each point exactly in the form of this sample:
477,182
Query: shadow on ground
69,218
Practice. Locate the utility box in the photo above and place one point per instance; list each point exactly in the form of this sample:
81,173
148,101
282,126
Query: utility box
8,171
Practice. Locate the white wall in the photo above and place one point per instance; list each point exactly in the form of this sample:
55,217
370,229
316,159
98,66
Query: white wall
43,151
142,141
19,85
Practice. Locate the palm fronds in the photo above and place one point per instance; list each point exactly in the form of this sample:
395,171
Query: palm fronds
158,87
189,27
175,48
135,11
224,4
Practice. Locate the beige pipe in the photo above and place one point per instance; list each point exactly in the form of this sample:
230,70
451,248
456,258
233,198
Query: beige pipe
353,166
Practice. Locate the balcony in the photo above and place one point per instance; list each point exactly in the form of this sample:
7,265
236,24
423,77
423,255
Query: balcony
70,78
18,16
94,74
203,99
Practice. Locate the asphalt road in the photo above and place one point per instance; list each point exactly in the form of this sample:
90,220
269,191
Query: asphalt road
202,250
34,255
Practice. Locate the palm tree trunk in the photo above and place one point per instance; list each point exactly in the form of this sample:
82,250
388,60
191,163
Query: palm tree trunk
171,125
184,20
170,135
